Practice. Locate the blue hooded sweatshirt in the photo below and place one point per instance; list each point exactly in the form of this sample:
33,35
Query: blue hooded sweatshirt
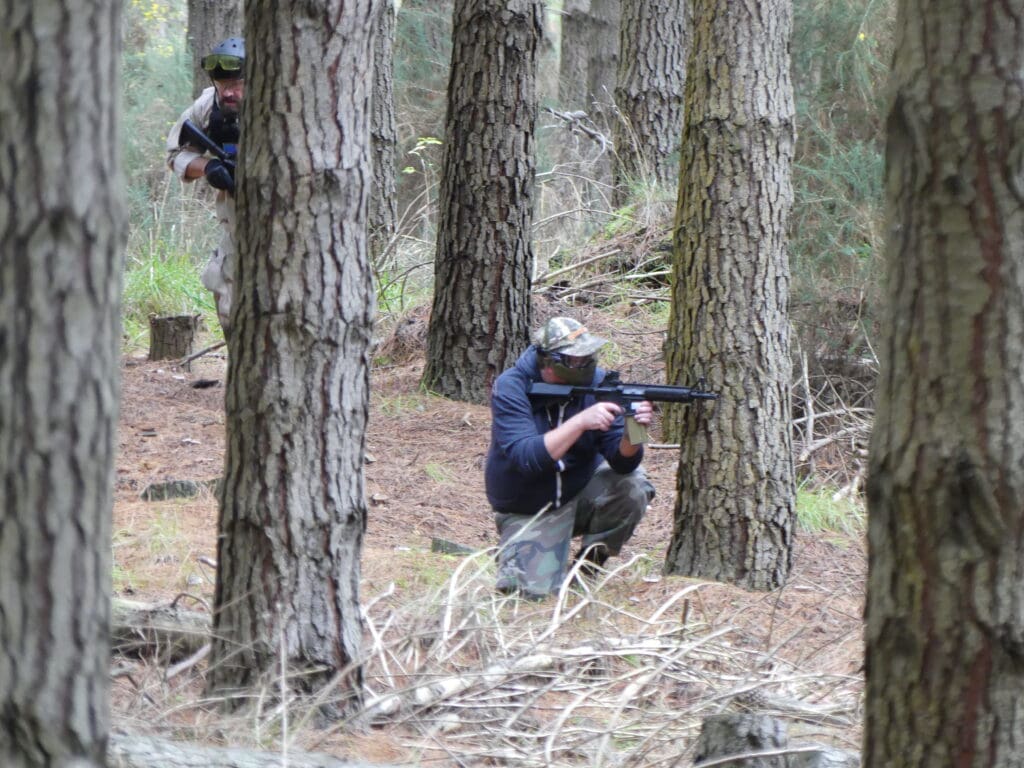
521,477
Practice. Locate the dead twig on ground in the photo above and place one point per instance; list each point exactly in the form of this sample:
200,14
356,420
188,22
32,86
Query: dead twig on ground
212,348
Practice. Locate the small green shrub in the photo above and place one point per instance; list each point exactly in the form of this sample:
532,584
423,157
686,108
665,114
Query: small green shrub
162,284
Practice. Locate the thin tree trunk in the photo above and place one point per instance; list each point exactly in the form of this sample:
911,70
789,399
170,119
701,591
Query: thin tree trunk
62,232
292,509
481,311
945,630
735,513
209,22
383,211
573,90
603,64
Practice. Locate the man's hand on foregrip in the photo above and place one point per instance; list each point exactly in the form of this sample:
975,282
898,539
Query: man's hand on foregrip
220,175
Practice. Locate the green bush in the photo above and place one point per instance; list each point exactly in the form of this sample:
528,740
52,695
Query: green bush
840,55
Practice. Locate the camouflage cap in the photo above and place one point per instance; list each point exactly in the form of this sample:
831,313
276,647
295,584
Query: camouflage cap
567,336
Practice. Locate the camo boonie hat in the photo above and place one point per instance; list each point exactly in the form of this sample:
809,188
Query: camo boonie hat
567,336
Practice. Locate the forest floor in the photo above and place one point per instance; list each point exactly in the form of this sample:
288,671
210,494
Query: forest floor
424,479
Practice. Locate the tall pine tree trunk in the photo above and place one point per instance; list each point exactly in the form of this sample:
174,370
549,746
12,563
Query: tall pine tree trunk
293,511
383,212
735,511
945,629
209,22
574,60
481,312
649,93
603,64
62,231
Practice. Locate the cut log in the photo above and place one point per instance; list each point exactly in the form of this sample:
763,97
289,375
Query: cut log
825,757
742,741
128,751
170,632
177,489
172,337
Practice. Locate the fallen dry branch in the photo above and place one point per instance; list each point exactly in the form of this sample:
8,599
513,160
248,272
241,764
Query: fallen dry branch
574,122
185,361
577,680
172,633
484,680
129,751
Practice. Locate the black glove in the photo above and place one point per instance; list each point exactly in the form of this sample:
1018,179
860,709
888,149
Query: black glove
221,175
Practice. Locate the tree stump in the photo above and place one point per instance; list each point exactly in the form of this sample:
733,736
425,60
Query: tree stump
172,337
742,736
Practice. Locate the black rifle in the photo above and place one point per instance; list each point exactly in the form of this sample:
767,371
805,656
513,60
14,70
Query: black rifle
626,396
190,134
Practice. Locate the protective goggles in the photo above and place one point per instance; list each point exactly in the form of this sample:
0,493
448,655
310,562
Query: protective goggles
223,61
572,362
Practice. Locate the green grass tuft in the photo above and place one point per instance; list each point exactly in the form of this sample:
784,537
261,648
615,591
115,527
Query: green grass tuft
817,511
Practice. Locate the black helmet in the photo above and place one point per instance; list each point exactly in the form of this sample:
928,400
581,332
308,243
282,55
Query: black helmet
226,61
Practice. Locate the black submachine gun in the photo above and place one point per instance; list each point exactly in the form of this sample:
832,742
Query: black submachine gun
625,395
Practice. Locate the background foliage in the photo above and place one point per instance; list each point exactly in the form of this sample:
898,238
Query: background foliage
586,251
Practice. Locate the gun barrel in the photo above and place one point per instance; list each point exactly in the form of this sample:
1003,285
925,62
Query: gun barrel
667,394
652,392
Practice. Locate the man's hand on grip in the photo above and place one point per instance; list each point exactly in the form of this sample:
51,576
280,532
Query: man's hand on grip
220,175
599,416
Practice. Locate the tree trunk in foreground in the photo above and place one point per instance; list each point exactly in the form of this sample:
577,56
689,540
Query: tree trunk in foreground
480,321
735,510
62,232
292,509
945,630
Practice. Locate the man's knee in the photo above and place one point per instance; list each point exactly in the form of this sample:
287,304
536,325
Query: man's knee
530,570
633,491
533,554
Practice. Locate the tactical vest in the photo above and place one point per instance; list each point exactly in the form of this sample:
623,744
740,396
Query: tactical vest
223,129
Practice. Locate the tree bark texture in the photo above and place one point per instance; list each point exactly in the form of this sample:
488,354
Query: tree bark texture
209,22
945,630
292,507
62,233
654,44
734,512
481,312
383,210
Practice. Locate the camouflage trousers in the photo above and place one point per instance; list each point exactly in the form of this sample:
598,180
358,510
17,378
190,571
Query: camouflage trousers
217,279
219,276
533,555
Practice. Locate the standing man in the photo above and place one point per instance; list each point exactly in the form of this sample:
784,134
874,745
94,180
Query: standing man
216,113
560,469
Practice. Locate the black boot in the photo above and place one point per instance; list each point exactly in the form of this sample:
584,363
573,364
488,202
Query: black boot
592,560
